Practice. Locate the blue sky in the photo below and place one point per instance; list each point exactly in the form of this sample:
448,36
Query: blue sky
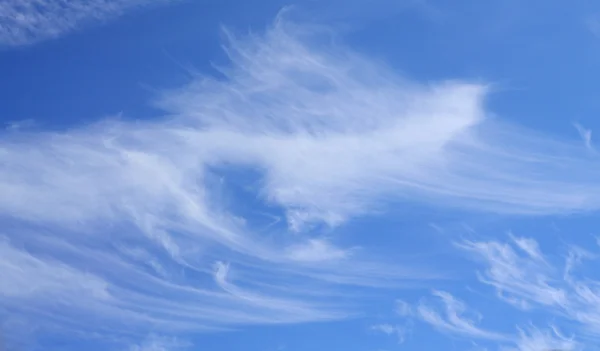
292,176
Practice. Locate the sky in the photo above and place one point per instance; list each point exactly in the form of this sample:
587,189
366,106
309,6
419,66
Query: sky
181,175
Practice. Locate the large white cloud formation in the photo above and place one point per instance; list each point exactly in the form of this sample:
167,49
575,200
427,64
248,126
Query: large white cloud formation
122,220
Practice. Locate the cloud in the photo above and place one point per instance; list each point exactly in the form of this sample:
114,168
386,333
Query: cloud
316,250
392,330
17,267
586,135
346,133
455,319
520,278
534,339
125,222
529,282
592,22
28,21
403,308
156,343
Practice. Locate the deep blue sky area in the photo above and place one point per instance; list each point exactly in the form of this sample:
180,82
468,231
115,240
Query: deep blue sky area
299,175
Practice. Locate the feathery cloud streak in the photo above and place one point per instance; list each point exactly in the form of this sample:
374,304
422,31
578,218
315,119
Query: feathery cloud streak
456,318
28,21
123,220
529,281
398,331
533,339
453,317
586,135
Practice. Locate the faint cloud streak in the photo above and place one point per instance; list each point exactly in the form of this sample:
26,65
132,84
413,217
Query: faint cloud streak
25,22
455,318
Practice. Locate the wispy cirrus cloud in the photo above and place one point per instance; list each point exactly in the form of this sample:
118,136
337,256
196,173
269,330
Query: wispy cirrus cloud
534,339
455,318
397,331
586,135
530,282
323,165
123,221
156,343
28,21
518,272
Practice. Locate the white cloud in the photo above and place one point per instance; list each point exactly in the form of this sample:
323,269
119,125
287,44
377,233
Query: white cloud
156,343
528,282
520,278
28,21
397,331
132,208
534,339
456,318
586,135
316,250
403,308
17,267
299,308
343,132
529,246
